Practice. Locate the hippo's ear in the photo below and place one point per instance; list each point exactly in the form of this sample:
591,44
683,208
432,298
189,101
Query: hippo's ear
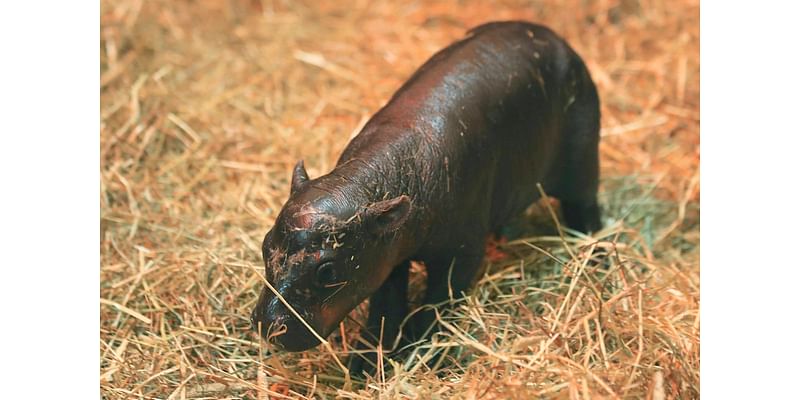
299,176
387,216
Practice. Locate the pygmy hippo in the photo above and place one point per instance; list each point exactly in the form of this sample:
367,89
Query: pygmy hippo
455,153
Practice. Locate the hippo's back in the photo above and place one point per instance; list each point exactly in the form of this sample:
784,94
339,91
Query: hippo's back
477,126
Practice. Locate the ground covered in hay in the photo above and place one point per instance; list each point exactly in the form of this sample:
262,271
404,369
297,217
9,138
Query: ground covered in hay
206,105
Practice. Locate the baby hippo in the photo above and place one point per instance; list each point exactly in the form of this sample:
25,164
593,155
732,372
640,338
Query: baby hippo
455,154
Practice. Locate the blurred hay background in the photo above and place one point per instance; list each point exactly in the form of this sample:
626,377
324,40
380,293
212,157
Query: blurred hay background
205,106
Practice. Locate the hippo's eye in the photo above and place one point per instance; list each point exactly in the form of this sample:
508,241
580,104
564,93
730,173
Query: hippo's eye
326,275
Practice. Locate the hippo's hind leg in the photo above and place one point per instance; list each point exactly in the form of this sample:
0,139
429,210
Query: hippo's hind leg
387,309
583,217
579,169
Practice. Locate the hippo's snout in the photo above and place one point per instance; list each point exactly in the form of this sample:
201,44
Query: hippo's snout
276,324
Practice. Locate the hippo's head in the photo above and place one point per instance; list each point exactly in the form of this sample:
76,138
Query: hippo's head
325,254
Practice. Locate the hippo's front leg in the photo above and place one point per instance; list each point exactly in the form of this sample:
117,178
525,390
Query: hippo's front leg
389,305
446,275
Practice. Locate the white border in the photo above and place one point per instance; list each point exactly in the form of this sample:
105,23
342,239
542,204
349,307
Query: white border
49,198
750,167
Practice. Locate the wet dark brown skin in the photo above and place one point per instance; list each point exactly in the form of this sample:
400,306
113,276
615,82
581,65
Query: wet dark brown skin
455,154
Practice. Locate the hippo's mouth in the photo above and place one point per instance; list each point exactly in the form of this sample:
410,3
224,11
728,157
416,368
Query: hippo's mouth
278,326
290,336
